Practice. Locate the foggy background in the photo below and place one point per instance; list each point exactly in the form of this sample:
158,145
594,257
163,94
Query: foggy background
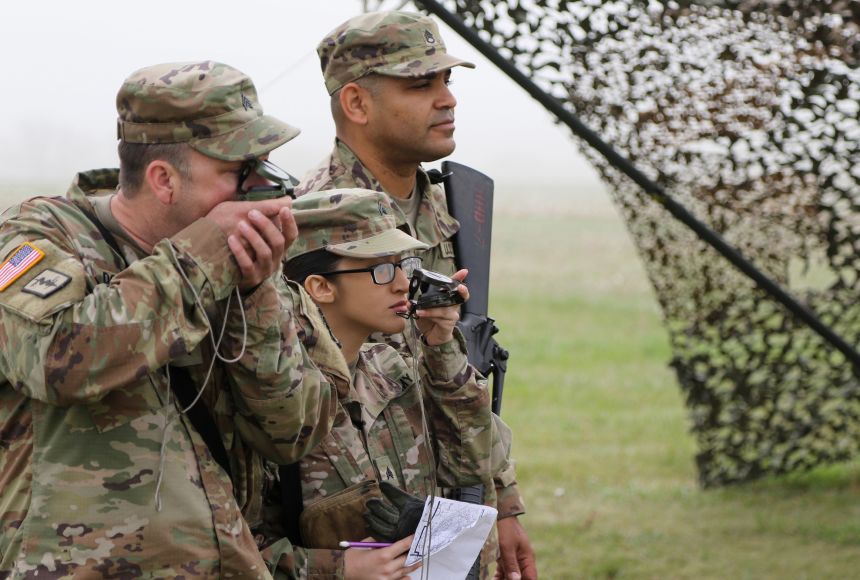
63,62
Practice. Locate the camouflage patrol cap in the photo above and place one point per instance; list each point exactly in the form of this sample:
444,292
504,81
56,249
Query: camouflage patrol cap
392,43
356,223
211,106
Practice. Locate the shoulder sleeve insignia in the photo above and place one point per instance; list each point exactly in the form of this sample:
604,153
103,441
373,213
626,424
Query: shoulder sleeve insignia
22,259
46,283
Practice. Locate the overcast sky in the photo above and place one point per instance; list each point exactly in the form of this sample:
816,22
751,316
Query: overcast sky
63,62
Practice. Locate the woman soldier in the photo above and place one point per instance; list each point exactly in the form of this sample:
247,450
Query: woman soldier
398,427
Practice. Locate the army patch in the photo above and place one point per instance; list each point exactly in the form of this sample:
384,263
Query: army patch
447,249
22,259
386,472
46,283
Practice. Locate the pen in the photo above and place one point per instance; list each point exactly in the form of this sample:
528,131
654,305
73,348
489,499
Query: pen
345,544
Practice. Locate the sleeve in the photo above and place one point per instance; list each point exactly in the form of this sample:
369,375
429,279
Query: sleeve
509,502
286,403
472,444
76,345
296,563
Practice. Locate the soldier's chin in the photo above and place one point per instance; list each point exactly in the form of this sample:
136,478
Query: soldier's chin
441,151
394,326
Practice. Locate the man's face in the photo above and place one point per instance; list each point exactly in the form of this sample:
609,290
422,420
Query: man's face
212,182
412,120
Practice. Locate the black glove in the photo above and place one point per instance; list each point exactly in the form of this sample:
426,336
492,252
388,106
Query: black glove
394,517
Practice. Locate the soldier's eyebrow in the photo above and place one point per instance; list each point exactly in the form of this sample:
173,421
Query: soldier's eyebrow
431,76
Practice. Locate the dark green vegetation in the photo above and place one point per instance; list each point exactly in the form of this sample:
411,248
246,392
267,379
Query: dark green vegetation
604,456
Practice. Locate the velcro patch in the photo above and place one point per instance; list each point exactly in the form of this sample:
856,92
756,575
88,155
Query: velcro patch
447,248
383,465
22,259
46,283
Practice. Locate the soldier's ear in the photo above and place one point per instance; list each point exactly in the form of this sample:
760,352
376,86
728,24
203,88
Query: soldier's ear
163,180
320,289
354,101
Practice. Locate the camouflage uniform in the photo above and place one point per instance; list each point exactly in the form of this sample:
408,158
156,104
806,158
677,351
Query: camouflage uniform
405,45
378,433
100,475
434,226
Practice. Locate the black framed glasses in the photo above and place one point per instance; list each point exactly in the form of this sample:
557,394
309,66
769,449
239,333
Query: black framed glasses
283,182
383,273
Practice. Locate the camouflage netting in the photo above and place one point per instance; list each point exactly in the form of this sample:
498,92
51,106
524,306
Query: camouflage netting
746,113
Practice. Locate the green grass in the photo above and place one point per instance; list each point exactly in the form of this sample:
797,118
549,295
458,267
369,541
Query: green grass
605,459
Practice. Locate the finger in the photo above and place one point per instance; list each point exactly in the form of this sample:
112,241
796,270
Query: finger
261,249
447,315
528,567
383,510
460,274
379,526
400,546
464,291
510,565
243,259
289,228
271,207
269,230
407,570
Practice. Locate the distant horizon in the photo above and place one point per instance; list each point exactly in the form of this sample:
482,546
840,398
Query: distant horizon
63,111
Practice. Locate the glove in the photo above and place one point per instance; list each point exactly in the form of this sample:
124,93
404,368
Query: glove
394,517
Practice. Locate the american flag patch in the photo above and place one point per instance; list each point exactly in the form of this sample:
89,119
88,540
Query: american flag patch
22,259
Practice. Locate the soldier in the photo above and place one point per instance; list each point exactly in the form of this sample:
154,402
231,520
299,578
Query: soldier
124,302
387,74
349,257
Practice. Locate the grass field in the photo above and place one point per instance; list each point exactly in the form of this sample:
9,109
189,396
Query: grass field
604,456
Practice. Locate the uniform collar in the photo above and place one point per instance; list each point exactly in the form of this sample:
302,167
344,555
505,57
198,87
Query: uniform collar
434,224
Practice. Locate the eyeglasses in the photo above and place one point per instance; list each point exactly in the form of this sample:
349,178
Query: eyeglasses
383,273
284,183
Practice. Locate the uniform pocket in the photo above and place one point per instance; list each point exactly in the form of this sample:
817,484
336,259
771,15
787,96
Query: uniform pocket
338,517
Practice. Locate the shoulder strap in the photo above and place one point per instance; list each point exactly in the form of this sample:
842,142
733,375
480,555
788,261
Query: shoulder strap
185,390
291,499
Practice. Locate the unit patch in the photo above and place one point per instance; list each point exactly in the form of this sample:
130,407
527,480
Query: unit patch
46,283
22,259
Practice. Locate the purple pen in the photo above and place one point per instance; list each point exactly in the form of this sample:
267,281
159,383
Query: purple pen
345,544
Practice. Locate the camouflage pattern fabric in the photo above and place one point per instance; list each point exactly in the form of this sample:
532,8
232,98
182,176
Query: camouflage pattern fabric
357,223
209,105
392,446
390,43
435,227
86,411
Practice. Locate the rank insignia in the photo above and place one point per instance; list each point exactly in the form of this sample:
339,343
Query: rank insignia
383,465
22,259
46,283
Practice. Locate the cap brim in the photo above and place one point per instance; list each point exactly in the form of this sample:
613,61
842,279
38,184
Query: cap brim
249,141
428,65
387,243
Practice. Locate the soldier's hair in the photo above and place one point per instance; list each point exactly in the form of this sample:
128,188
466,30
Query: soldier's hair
370,83
135,157
300,267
